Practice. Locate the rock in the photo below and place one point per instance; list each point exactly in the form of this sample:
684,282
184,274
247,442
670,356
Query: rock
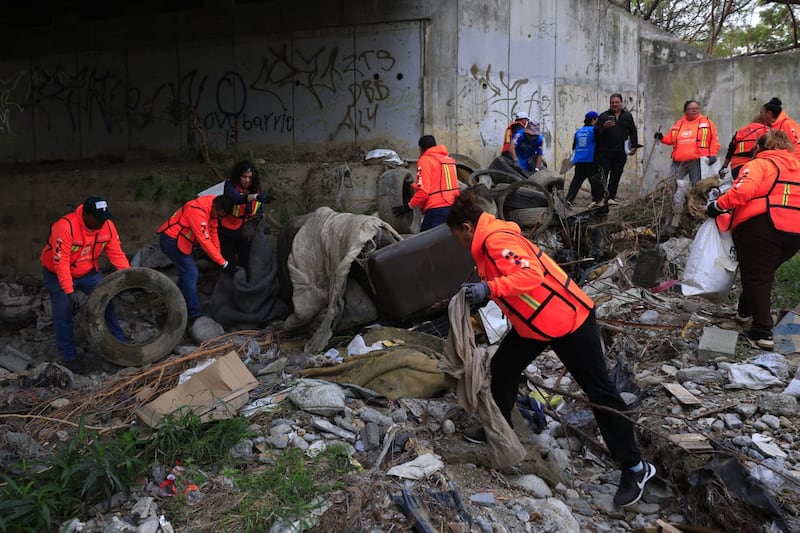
487,499
318,397
324,425
371,436
732,420
205,328
242,452
15,360
746,409
58,403
778,404
716,342
533,484
771,421
448,427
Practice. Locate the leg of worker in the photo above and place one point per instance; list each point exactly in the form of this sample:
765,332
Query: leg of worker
227,244
62,317
693,169
761,249
87,285
512,356
577,180
679,200
434,217
596,183
187,275
603,160
582,354
615,173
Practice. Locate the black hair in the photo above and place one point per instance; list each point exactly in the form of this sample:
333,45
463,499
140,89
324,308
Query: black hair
616,95
427,141
774,106
240,168
465,209
223,202
687,103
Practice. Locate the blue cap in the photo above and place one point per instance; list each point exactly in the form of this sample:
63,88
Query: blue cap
590,115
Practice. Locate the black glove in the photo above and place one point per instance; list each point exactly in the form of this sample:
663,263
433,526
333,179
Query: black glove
722,173
712,210
264,198
658,135
74,301
228,269
400,210
477,293
712,159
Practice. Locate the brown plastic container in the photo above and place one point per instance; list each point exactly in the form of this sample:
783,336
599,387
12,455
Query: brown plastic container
413,275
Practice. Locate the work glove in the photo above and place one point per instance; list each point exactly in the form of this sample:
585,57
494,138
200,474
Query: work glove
228,268
712,210
712,159
658,135
722,173
264,198
74,301
400,210
476,293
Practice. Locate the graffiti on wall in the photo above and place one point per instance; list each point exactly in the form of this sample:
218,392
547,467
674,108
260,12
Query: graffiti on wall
350,89
500,93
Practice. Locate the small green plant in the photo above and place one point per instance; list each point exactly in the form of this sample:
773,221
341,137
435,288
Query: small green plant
289,490
786,289
182,436
38,495
174,190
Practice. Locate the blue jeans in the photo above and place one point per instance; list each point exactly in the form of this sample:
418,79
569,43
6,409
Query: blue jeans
62,311
187,274
434,217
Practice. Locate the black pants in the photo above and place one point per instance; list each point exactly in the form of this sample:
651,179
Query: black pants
582,354
582,172
760,249
235,246
611,165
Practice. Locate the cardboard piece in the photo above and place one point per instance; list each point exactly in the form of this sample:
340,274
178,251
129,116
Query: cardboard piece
215,393
682,395
692,442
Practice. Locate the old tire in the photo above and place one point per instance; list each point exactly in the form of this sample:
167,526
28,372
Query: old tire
523,197
390,194
170,331
547,179
508,171
540,216
465,166
533,218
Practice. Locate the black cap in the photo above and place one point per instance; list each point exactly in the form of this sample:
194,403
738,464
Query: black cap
427,141
97,207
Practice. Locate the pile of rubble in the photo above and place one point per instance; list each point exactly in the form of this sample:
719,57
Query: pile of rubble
714,415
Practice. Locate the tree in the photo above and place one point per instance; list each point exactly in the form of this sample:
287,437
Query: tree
724,28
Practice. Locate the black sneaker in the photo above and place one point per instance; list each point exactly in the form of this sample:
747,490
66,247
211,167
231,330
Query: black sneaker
631,484
476,435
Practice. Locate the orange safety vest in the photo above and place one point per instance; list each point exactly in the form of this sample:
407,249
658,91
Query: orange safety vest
769,184
435,187
510,130
240,214
192,224
744,143
552,306
73,250
693,139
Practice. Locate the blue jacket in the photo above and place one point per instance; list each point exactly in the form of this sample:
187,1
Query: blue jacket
583,145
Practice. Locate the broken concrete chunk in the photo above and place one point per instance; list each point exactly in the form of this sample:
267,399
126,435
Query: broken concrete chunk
324,425
14,360
716,342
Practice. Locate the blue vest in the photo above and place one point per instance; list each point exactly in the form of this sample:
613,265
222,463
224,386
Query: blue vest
584,145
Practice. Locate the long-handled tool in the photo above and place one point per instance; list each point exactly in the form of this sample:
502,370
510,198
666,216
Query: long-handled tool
650,155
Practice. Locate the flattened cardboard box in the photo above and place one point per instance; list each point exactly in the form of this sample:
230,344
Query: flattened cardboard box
214,393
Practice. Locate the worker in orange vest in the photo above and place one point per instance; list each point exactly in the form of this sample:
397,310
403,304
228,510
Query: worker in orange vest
546,308
692,137
775,117
195,224
743,146
764,200
436,186
70,263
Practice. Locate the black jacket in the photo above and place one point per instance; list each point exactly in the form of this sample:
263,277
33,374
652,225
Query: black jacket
613,139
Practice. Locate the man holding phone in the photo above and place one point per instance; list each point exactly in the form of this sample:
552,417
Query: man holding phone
612,129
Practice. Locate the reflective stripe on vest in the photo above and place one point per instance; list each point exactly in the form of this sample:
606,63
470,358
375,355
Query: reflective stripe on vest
783,201
551,284
448,178
240,210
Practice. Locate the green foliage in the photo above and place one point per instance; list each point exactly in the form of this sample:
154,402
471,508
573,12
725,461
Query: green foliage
38,495
289,490
165,189
786,289
181,436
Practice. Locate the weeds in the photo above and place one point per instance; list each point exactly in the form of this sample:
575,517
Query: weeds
786,289
289,490
163,189
39,494
182,436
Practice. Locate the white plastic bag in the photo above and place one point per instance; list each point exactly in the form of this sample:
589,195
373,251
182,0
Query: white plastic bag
711,265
